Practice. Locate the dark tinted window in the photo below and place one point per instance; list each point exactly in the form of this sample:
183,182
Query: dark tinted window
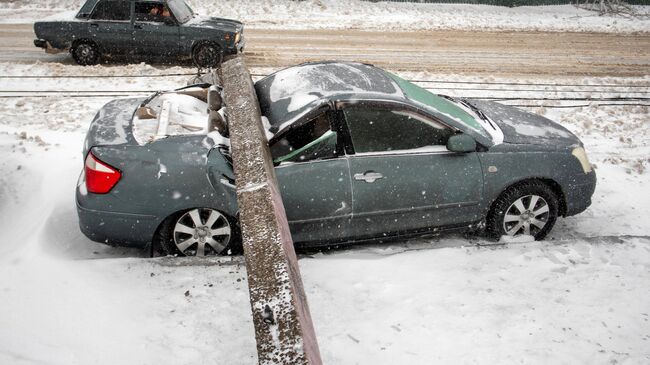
151,11
380,130
311,141
112,10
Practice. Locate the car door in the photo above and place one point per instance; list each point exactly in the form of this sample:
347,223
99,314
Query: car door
109,25
403,177
155,31
314,179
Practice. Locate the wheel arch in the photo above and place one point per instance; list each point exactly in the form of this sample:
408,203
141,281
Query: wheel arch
78,41
552,184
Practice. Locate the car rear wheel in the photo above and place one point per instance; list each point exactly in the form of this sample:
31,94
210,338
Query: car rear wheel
197,232
85,54
529,208
206,55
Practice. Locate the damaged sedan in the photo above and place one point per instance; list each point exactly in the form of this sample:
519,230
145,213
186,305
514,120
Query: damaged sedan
359,153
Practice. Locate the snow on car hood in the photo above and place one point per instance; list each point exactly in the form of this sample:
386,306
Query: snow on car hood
215,23
520,127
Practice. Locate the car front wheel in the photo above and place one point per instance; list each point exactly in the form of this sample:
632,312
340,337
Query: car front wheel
206,55
85,54
196,232
529,208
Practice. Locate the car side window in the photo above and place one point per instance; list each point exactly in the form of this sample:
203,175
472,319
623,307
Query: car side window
313,140
112,10
151,12
383,130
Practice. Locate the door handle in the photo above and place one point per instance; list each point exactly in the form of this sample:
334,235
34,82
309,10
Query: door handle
137,26
368,176
94,25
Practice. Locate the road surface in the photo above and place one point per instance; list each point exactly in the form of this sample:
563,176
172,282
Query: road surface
459,52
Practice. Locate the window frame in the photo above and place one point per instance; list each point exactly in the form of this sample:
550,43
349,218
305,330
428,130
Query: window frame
388,105
332,120
92,12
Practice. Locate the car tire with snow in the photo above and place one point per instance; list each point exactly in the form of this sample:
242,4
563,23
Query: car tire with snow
85,53
206,55
197,232
529,208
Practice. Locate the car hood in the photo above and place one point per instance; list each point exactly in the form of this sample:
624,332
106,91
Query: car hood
520,127
228,25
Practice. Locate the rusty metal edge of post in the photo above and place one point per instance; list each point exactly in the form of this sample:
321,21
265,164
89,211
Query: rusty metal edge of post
283,327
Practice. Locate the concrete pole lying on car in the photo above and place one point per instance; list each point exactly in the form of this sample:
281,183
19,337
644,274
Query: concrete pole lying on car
283,325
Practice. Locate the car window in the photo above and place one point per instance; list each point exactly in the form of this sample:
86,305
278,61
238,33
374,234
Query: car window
112,10
151,12
311,141
383,130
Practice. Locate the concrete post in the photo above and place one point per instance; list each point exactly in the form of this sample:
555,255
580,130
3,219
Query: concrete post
283,326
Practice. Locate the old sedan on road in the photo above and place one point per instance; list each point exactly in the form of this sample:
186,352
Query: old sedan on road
135,28
360,154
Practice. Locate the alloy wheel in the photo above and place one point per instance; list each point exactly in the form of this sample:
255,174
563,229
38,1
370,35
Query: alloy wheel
527,215
201,232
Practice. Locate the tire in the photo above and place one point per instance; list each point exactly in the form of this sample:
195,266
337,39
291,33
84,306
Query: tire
85,53
529,208
206,55
197,232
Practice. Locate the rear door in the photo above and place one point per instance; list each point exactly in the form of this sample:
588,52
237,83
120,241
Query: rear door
314,178
110,26
403,177
155,32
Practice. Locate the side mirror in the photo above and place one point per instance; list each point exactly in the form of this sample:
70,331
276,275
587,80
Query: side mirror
461,143
169,21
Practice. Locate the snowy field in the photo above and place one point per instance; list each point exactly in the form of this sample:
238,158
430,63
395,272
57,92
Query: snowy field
580,297
357,14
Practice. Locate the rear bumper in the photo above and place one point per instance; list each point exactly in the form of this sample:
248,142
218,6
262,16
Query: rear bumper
42,43
112,228
578,196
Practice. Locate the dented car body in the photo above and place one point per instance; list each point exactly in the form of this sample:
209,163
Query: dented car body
135,28
359,153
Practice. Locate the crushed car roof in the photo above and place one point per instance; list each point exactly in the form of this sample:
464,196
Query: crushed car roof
289,94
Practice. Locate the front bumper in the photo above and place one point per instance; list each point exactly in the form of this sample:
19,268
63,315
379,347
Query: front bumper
578,196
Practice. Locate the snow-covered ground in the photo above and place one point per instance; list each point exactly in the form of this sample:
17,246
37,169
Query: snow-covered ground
581,296
357,14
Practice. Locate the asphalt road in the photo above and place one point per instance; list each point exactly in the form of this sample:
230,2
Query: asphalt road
461,52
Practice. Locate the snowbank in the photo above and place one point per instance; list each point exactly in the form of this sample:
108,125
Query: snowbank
357,14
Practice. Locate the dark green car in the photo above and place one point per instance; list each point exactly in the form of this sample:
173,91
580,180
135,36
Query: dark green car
360,154
135,28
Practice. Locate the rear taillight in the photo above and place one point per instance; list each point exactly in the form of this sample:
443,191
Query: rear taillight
100,176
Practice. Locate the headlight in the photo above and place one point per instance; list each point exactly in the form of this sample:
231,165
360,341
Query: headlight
581,155
237,37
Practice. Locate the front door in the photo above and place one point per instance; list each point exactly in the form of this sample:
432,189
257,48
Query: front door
155,31
403,177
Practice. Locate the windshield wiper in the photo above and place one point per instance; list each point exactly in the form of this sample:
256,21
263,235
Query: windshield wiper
479,112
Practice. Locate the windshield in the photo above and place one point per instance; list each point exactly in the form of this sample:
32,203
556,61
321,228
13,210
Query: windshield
449,107
181,10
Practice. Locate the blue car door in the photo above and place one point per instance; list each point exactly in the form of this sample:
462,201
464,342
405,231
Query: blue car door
155,31
403,177
109,25
314,180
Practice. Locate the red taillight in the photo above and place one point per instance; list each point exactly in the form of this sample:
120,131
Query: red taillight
100,177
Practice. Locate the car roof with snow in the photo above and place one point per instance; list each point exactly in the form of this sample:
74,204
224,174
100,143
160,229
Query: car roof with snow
289,94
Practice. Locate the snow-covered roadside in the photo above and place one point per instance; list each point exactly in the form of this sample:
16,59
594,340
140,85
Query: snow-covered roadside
582,296
357,14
